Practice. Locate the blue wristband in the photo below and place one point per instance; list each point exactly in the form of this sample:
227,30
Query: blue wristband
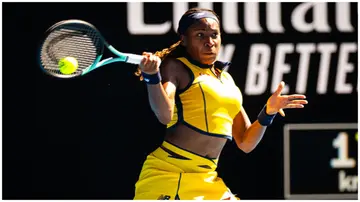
264,119
151,78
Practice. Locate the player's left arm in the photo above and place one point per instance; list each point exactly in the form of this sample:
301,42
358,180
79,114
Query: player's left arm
246,134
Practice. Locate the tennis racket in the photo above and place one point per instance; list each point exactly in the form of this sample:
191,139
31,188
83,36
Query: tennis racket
82,41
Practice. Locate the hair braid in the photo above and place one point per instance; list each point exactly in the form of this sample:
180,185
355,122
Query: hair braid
175,49
161,54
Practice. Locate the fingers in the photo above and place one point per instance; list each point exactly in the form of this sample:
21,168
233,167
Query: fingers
296,96
291,106
282,113
280,88
295,103
150,63
289,101
296,99
304,102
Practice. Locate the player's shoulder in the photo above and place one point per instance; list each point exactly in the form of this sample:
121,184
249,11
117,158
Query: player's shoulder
176,71
171,62
173,65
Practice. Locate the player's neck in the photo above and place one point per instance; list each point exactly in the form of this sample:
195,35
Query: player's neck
197,63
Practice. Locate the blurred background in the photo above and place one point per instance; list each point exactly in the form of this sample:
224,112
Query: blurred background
86,138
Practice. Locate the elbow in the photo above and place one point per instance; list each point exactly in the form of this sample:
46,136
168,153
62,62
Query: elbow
247,150
164,118
244,148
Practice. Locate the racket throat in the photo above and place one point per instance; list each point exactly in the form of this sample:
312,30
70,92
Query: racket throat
93,66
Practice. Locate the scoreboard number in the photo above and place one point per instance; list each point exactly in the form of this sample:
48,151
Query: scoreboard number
320,161
342,161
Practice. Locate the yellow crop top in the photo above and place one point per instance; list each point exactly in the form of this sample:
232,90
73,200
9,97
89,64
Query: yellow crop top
209,104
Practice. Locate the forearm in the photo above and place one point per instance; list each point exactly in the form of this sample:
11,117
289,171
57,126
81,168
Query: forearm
252,137
160,103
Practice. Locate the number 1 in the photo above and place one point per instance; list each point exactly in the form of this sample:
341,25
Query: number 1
342,161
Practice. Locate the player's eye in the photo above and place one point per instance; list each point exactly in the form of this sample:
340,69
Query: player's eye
200,35
214,35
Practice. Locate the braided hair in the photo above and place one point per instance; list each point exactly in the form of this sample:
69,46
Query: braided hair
175,50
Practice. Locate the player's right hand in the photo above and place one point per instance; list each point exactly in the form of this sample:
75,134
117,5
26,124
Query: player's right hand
150,64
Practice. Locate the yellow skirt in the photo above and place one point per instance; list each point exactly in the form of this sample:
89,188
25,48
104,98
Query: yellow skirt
172,173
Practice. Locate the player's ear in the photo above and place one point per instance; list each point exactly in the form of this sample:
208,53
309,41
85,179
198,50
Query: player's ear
183,40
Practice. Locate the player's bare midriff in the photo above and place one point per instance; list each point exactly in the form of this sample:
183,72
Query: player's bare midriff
201,144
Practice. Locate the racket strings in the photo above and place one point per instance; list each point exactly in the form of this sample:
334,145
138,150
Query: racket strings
80,42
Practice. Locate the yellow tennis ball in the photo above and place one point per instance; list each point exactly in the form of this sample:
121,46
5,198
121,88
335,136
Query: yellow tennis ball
68,65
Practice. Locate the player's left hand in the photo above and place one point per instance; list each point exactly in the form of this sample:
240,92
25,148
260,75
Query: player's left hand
277,102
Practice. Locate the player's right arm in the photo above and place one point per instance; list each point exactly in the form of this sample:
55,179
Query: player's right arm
162,95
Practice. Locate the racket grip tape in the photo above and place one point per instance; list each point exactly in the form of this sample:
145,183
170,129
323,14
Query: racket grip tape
134,59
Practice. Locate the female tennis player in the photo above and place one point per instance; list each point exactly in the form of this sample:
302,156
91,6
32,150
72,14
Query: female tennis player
191,92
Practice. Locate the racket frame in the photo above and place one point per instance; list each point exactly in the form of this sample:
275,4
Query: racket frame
121,57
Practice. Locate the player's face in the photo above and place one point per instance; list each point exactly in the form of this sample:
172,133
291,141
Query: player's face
203,41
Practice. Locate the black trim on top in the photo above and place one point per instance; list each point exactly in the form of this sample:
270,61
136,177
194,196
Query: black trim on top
178,103
217,76
180,116
206,121
192,77
207,133
224,66
179,107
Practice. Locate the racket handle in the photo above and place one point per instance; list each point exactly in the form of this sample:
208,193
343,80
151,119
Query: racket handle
134,59
130,58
